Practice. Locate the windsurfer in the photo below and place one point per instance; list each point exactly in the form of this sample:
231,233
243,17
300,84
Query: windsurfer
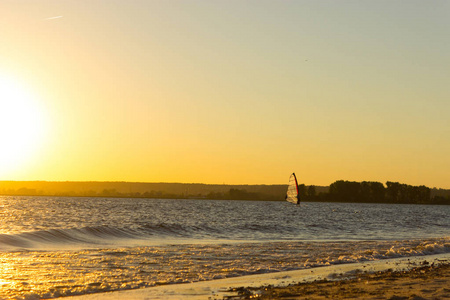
292,194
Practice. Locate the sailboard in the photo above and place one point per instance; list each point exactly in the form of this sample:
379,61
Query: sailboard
292,191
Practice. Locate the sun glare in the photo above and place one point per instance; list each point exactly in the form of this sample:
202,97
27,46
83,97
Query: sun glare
21,126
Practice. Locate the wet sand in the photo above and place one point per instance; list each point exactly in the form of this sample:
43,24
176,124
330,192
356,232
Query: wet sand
425,282
425,277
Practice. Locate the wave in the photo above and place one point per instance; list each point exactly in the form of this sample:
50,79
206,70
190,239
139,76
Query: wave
57,237
106,235
152,234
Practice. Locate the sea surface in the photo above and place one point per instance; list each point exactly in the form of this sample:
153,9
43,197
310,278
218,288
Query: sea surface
58,246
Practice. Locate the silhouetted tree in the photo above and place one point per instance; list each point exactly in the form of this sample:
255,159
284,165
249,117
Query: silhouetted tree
392,191
311,193
345,191
372,192
302,191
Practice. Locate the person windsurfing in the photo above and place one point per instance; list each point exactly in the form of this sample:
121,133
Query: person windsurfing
292,194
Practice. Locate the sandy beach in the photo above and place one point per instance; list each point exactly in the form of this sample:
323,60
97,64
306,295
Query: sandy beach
425,277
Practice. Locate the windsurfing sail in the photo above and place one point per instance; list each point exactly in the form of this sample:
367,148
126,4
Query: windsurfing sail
292,191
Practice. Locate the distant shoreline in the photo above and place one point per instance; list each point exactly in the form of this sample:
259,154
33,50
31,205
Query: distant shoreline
339,191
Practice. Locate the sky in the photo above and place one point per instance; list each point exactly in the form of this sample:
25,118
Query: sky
234,92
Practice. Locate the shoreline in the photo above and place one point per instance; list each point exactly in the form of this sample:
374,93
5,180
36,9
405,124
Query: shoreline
384,279
425,282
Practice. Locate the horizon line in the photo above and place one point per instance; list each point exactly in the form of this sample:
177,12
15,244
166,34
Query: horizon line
224,184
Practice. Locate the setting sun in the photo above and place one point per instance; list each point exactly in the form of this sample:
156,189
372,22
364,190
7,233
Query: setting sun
21,125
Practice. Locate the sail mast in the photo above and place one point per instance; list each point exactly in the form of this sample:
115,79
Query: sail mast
296,183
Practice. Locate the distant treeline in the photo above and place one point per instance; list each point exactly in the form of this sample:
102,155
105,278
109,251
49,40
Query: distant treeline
143,190
376,192
339,191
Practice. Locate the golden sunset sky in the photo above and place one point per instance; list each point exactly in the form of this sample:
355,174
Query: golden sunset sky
235,92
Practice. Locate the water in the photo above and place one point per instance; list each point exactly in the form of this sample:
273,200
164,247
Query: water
51,247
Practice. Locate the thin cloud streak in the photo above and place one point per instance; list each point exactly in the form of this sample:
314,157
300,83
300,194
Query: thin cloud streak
53,18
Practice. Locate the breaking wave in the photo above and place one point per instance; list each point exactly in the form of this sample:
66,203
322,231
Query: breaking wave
104,236
86,235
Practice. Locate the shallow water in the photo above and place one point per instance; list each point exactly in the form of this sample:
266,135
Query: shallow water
52,247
